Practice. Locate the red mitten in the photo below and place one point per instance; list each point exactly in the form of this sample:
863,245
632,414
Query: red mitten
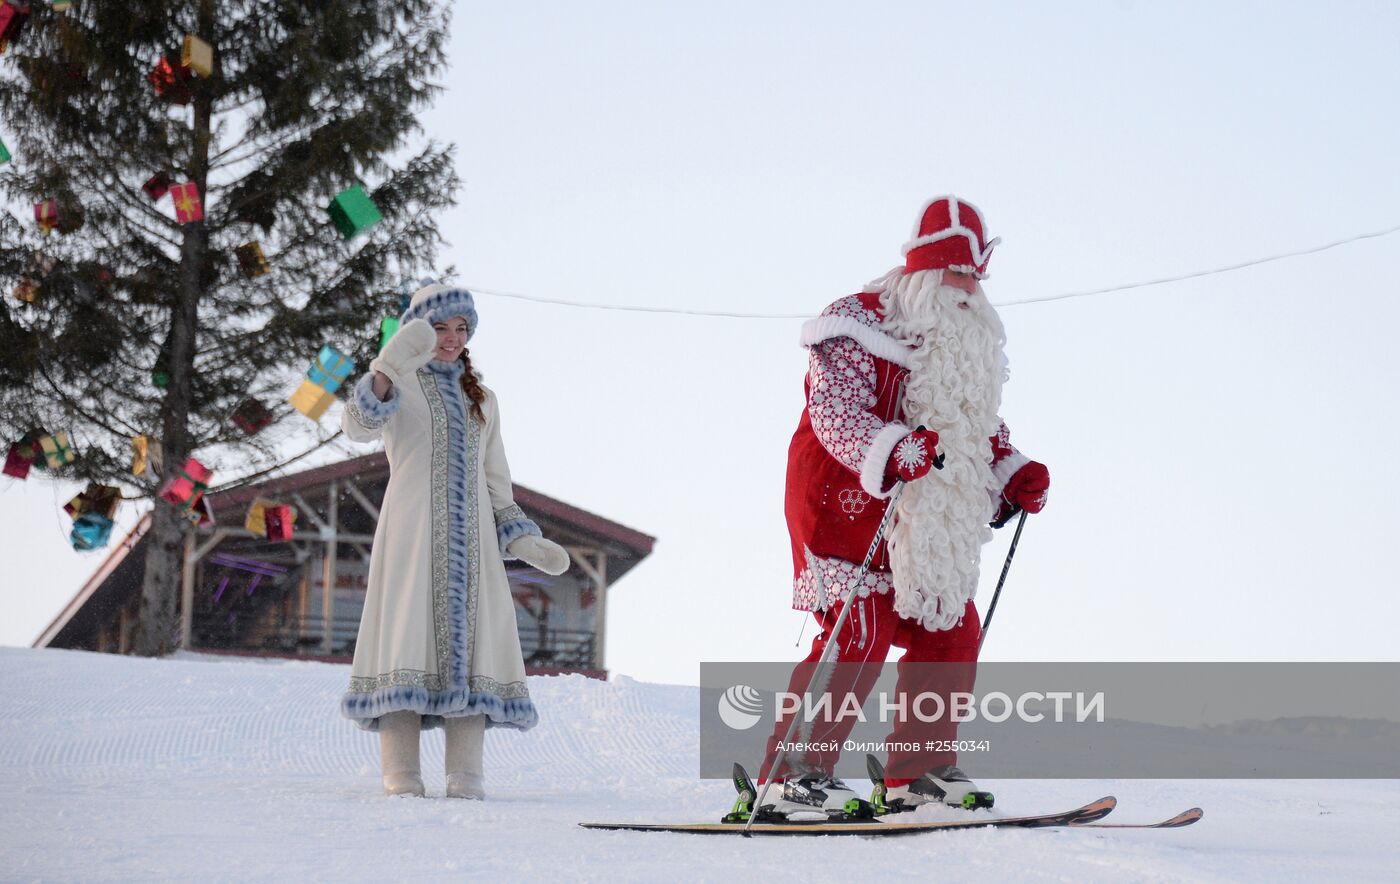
1028,487
914,456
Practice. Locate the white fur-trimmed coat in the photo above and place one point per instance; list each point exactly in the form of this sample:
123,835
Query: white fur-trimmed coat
438,634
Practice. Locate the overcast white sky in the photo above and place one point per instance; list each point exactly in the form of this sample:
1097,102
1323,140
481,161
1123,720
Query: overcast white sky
1221,450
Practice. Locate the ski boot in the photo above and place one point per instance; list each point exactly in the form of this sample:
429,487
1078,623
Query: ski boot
942,785
811,793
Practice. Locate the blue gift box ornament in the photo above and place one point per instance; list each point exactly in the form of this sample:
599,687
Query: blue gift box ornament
91,531
330,369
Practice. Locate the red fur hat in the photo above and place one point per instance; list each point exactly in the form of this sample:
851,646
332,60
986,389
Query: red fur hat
951,235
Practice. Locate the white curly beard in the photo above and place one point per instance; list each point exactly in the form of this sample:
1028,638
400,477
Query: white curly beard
953,388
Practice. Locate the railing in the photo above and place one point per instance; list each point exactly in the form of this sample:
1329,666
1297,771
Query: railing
299,635
561,648
220,630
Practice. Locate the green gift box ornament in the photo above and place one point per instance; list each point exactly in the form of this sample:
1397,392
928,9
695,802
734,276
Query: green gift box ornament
4,153
58,450
388,327
353,212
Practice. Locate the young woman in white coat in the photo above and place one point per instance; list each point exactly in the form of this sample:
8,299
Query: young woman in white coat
438,645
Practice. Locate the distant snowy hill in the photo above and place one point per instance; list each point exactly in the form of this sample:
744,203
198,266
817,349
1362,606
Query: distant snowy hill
213,769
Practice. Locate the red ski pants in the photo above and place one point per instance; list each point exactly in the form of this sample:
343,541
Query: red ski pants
866,638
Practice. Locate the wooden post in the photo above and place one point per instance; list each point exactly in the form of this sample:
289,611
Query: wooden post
329,553
601,624
193,556
187,595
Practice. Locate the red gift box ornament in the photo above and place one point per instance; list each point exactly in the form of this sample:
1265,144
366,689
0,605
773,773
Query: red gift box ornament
187,204
19,460
187,485
279,522
13,15
157,186
251,416
46,213
171,81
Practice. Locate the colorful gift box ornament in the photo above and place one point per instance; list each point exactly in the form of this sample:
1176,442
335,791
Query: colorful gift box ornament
145,455
201,515
157,186
13,15
91,531
187,485
171,82
160,372
251,259
18,460
323,378
46,213
330,369
251,416
279,520
311,400
353,212
58,450
188,206
26,290
279,527
197,55
100,499
388,327
254,521
28,448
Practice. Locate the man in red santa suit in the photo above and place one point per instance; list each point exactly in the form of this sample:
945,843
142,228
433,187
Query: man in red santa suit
903,374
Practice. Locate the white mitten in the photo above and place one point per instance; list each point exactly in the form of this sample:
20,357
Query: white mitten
546,555
410,349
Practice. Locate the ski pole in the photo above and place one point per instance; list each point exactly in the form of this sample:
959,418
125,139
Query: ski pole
827,653
992,609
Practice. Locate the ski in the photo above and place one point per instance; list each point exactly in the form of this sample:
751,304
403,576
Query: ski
766,822
1185,818
973,800
1088,813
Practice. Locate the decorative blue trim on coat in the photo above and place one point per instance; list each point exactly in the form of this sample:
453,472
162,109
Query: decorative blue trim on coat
367,409
447,375
442,306
365,709
512,529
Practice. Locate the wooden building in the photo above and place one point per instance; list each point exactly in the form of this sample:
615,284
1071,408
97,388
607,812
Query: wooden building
244,594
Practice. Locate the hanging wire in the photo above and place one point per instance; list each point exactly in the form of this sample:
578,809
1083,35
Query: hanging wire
1200,273
725,314
637,309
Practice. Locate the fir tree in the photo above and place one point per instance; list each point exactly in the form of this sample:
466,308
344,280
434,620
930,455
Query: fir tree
142,325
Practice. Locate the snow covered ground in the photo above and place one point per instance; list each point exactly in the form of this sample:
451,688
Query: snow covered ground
214,769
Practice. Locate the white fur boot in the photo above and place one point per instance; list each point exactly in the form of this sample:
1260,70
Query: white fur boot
466,742
398,753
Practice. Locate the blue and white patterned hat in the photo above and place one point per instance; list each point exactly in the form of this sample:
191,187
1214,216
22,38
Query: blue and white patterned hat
436,302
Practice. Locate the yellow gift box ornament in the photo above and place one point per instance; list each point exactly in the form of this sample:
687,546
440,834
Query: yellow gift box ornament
145,455
197,55
323,378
